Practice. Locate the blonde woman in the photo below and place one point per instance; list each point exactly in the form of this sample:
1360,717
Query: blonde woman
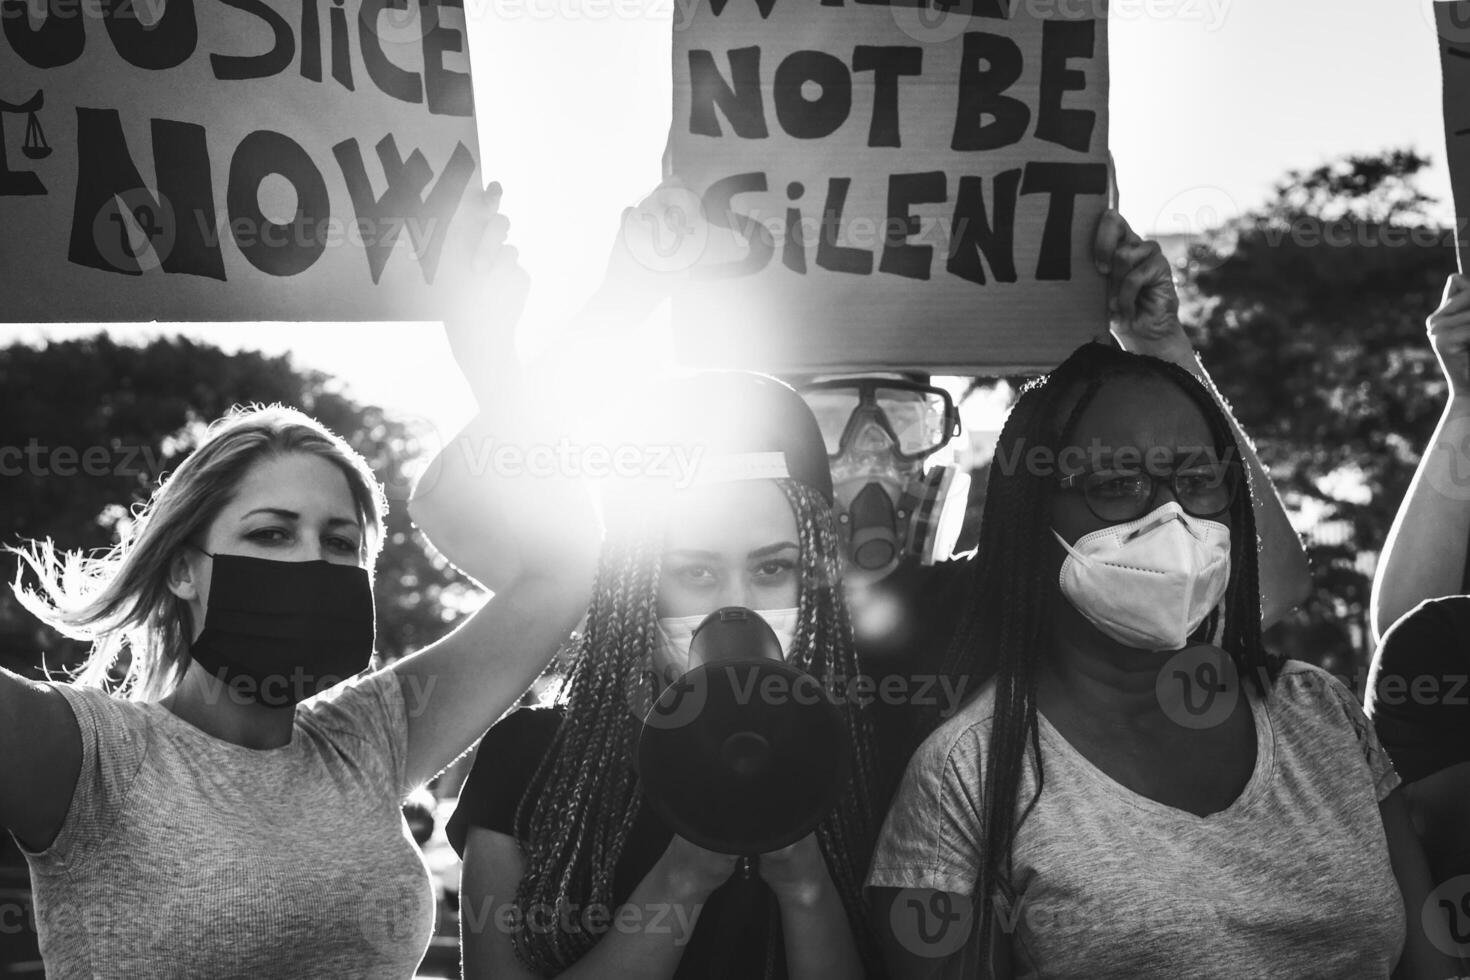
233,809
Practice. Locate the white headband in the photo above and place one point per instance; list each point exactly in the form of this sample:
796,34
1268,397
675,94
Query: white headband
729,467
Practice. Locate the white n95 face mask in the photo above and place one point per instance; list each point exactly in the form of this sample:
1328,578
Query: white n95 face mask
1149,583
677,632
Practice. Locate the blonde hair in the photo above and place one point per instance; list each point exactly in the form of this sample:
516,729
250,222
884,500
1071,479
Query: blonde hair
120,600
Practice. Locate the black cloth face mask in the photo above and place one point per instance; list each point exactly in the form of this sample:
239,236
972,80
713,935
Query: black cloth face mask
279,632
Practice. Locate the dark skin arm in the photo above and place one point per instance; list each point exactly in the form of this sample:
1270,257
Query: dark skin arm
1439,805
1421,960
930,935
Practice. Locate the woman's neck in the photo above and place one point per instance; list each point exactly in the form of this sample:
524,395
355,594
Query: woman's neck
1094,674
204,702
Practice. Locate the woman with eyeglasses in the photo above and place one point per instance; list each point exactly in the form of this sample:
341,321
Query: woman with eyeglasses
880,432
1139,788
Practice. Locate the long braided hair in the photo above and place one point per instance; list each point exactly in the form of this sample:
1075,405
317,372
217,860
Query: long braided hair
574,818
1003,631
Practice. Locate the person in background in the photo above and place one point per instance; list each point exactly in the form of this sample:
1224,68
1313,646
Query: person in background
232,809
1418,691
899,501
1139,788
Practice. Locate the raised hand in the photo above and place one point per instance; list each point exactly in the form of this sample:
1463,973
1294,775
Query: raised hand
1142,300
481,330
1449,332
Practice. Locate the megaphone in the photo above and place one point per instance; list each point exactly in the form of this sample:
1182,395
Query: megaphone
743,754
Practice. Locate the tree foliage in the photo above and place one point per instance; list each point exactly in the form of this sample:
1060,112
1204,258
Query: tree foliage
1309,313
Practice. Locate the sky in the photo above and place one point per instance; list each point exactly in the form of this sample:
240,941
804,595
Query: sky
1212,102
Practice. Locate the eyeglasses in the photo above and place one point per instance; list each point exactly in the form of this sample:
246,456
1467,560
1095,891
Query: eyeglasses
1119,495
919,418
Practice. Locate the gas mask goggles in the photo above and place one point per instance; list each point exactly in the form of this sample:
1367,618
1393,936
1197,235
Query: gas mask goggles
890,506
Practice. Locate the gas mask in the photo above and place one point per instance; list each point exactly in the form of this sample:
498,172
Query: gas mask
890,505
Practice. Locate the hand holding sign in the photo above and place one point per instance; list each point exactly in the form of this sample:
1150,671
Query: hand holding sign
658,242
1141,296
1452,18
664,235
1449,331
481,328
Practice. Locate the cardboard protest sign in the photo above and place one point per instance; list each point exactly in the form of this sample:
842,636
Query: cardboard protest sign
234,159
889,184
1452,20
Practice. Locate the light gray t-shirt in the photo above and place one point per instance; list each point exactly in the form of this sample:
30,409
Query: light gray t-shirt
186,856
1291,880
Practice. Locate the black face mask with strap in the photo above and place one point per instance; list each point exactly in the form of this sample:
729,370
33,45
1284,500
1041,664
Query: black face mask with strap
279,632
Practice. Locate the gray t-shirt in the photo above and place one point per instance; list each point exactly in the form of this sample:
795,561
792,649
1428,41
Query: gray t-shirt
1291,880
186,856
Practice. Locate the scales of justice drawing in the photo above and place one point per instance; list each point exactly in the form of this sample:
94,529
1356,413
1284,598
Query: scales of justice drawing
14,183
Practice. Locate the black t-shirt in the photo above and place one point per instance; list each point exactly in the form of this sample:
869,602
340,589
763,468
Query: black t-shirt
738,924
1419,688
903,632
902,636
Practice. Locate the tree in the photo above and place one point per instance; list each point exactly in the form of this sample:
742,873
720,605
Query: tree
1310,315
88,426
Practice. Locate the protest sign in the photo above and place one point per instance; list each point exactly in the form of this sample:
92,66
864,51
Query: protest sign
1452,20
888,184
234,159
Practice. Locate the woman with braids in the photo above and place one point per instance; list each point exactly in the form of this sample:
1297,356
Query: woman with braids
231,808
1139,788
901,648
566,872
